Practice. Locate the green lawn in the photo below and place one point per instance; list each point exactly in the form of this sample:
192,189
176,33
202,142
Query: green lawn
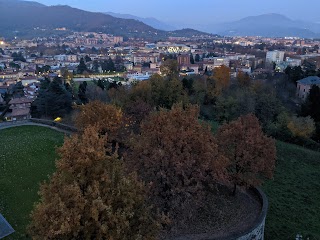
27,156
294,194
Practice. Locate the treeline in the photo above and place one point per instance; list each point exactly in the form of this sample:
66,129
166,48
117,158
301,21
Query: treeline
273,101
221,99
94,66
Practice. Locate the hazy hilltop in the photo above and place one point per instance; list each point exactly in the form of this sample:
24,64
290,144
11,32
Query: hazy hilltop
153,22
30,19
13,3
268,25
19,17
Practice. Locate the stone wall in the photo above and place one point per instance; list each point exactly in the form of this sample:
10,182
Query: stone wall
255,232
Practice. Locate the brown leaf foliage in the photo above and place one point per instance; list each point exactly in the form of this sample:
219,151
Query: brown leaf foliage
217,83
178,156
90,196
106,118
222,75
243,79
251,154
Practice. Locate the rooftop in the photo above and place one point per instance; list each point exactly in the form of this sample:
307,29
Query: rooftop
310,80
20,112
20,100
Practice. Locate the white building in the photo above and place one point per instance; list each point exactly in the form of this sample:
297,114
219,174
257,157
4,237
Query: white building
172,48
290,62
275,56
138,76
211,63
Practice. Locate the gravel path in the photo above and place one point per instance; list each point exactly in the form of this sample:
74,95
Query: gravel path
5,125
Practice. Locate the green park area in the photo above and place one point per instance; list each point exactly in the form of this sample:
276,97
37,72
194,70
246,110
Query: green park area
28,155
294,196
27,158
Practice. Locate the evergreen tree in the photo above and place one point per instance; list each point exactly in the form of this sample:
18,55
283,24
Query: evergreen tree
100,84
82,66
191,59
197,58
294,74
82,92
95,66
110,65
53,100
87,58
18,57
203,55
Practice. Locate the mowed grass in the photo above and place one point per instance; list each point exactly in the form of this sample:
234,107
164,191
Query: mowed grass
294,194
27,158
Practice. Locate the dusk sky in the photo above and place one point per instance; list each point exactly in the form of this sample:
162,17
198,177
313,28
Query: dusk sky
181,12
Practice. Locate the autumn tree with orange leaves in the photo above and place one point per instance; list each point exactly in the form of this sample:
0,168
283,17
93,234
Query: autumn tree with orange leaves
91,197
221,78
251,154
243,79
217,83
107,118
178,156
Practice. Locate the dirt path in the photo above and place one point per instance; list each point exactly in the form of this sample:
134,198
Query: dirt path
5,125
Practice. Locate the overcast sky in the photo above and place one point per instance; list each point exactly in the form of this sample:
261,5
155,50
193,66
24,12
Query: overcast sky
198,12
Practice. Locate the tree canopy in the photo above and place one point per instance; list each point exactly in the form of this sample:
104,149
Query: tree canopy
178,156
53,100
169,68
251,154
106,118
91,197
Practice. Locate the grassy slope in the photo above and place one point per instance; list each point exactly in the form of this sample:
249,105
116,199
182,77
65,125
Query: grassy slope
27,156
294,194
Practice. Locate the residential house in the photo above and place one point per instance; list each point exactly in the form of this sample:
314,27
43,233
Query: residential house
304,86
20,109
211,63
28,80
30,91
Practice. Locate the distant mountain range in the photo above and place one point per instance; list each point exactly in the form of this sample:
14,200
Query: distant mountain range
31,19
153,22
268,25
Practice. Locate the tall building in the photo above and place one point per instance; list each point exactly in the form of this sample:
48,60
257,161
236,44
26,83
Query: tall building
275,56
183,59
